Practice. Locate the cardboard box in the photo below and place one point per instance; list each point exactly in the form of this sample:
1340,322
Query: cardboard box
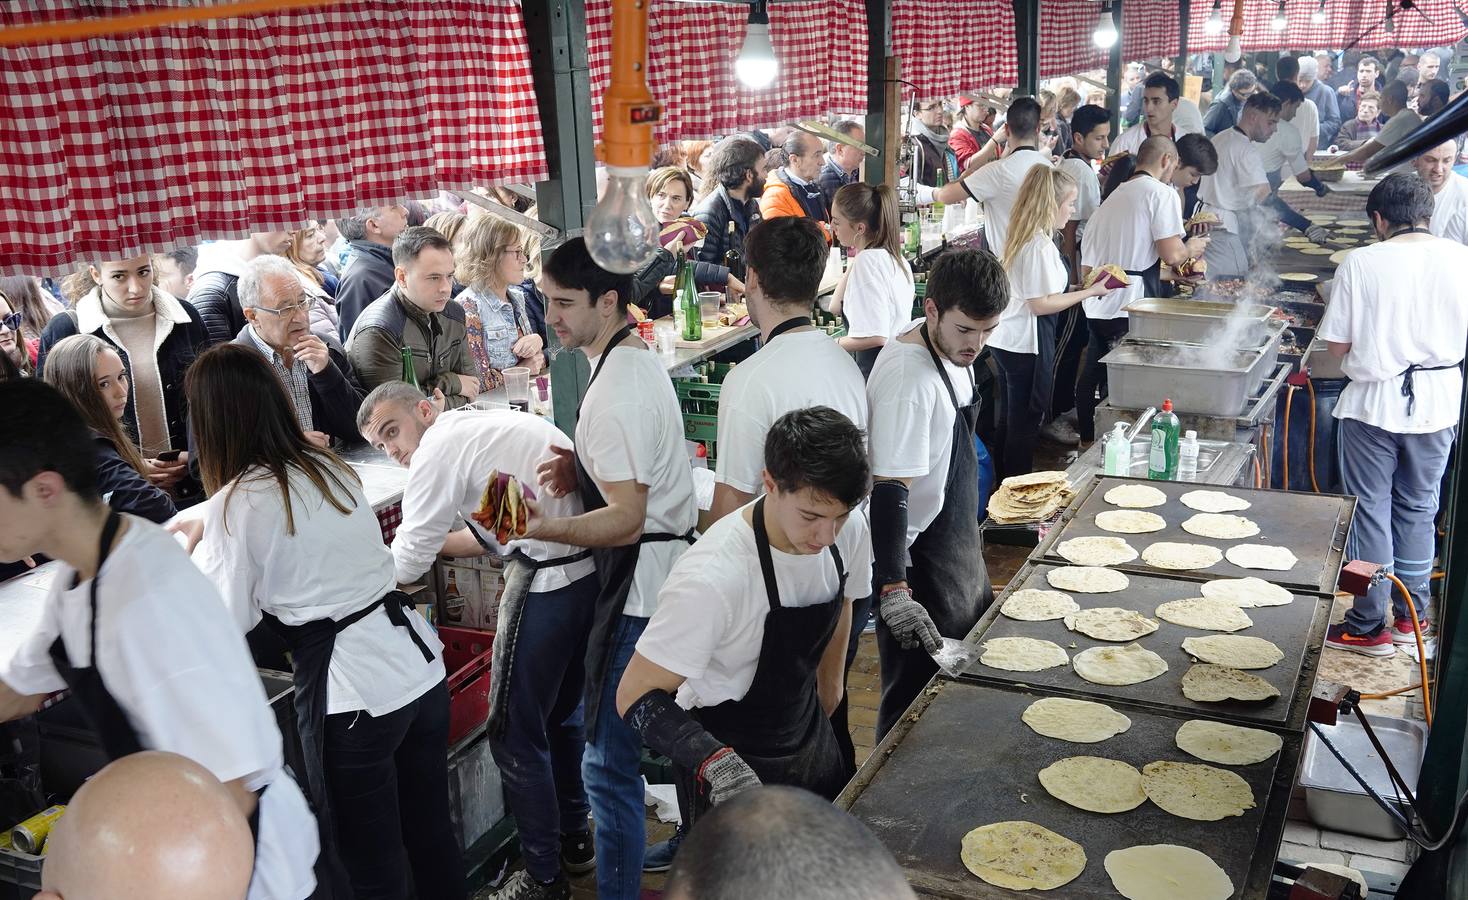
470,593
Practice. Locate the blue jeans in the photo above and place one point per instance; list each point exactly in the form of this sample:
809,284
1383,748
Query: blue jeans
540,753
611,770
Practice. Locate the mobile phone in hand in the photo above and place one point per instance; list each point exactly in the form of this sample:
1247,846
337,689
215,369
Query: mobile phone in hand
169,455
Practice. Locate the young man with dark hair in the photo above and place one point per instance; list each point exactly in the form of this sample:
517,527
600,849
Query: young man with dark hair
1239,186
796,365
1398,318
1160,93
164,668
415,314
1368,70
930,579
1284,156
174,271
636,485
995,181
1196,158
741,666
737,168
1449,191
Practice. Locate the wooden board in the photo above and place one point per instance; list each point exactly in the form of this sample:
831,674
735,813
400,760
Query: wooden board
711,335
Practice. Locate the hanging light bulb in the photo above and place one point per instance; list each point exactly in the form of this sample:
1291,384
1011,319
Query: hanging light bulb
756,65
622,232
1280,22
1318,17
1235,49
1105,35
1214,25
1391,21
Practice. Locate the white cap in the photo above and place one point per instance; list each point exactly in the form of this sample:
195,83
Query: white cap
1190,435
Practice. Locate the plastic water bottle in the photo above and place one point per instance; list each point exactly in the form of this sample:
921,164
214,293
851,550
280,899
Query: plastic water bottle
1187,457
1117,450
1162,458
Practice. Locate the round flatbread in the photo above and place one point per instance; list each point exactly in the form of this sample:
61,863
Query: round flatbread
1209,683
1022,856
1237,651
1229,745
1204,614
1167,872
1094,783
1299,276
1316,251
1247,592
1035,605
1079,721
1129,521
1194,791
1213,502
1022,654
1033,479
1131,664
1135,496
1262,556
1110,623
1339,256
1181,557
1220,526
1096,550
1087,579
1322,218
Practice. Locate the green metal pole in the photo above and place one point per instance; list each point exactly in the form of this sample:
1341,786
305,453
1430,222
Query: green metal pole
1027,45
879,49
1113,74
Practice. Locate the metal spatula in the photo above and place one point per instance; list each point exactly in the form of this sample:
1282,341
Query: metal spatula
955,656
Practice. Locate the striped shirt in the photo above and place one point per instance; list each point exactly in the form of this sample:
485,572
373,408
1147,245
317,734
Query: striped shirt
296,378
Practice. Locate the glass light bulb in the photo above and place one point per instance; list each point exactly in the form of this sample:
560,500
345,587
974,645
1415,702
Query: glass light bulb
756,66
1214,25
622,232
1105,35
1235,49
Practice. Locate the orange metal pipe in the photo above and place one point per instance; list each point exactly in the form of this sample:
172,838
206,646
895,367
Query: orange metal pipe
81,29
1421,651
1236,23
628,108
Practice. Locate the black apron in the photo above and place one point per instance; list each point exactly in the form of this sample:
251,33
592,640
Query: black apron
778,727
99,708
615,568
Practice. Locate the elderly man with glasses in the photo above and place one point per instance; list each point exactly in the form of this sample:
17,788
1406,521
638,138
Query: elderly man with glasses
319,380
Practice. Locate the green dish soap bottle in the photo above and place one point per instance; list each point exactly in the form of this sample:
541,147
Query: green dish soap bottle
1162,459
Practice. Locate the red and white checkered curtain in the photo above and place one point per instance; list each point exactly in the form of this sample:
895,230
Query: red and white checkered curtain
1150,28
949,47
821,46
1345,22
1066,47
118,146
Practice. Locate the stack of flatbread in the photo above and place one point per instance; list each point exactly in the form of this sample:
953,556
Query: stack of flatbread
1029,498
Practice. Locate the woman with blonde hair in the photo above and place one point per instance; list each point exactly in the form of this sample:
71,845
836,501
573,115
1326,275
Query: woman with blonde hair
1023,343
876,293
89,373
490,261
307,251
448,223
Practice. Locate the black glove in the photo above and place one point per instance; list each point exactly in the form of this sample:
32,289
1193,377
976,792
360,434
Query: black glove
1316,185
908,621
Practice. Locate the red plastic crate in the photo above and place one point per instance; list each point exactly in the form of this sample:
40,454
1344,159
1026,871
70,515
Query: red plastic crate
466,657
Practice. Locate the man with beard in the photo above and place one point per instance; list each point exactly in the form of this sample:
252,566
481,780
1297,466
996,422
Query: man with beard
928,571
737,167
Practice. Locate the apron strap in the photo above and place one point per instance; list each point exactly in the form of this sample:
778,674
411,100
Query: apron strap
533,564
601,361
788,325
767,565
104,547
1410,392
658,537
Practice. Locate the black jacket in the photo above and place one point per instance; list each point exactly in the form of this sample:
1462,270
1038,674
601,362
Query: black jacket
832,179
716,211
216,295
367,276
124,489
335,395
645,282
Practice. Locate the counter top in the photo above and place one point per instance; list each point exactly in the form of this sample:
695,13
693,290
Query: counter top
21,602
382,479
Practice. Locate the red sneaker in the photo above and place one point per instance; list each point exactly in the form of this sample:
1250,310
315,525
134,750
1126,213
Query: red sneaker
1402,630
1379,644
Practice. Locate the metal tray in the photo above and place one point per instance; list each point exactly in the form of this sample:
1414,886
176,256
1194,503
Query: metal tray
1298,629
1143,373
1335,800
1195,321
1313,526
961,758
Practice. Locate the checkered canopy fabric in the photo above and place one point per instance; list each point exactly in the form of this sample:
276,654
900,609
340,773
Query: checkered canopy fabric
119,146
947,48
1066,27
1434,23
821,46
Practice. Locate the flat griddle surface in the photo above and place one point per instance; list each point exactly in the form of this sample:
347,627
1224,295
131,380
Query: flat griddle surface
964,759
1312,526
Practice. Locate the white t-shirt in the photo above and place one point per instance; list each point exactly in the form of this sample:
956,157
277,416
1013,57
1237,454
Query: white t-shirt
181,672
996,187
794,371
447,478
1241,170
912,424
1307,123
259,567
711,613
1285,151
1037,271
631,429
1130,141
1088,191
1125,231
879,294
1399,304
1187,118
1450,210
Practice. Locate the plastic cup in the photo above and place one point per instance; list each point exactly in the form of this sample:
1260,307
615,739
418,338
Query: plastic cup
708,304
666,336
517,387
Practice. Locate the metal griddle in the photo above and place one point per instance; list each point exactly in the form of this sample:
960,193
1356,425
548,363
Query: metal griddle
1312,526
962,758
1297,629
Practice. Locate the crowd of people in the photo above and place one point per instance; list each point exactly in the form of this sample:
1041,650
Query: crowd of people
719,635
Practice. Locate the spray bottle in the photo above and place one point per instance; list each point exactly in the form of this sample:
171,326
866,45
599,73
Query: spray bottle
1162,459
1117,451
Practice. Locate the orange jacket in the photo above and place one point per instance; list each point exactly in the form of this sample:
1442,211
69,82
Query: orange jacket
776,201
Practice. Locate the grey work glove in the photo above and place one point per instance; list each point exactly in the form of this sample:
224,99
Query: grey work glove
908,621
726,775
1317,233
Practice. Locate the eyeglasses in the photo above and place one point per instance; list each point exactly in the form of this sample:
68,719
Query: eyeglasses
287,310
517,251
11,322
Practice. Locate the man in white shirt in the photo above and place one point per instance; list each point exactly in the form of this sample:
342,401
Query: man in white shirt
1240,185
796,366
1398,317
1449,191
536,732
928,573
1138,227
165,668
1284,156
636,484
741,666
995,183
1401,121
1160,95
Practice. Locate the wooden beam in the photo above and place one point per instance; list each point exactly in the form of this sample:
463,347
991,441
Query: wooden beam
81,29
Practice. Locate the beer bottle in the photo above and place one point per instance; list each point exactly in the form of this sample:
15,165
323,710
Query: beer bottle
409,375
733,256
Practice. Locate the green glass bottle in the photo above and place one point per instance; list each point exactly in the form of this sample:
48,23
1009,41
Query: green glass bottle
688,299
409,375
1162,459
